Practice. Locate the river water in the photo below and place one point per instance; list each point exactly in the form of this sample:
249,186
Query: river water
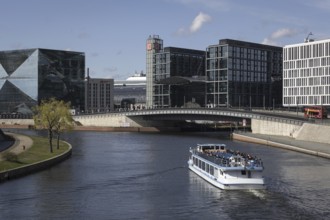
145,176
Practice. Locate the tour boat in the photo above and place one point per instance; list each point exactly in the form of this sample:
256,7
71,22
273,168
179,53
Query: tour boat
225,168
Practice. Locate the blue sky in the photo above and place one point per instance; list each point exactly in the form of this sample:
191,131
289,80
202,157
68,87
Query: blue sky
113,33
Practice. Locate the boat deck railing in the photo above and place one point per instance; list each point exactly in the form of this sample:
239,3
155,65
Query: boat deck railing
225,158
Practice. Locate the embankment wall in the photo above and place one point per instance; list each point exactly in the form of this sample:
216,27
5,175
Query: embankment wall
32,168
249,139
273,127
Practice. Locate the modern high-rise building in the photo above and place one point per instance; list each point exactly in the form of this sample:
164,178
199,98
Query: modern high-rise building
99,95
243,74
31,75
178,77
306,74
154,45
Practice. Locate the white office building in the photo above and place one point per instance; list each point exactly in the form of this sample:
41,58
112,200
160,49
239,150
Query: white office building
306,74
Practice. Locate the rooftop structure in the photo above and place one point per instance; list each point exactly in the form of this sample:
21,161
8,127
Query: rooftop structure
130,93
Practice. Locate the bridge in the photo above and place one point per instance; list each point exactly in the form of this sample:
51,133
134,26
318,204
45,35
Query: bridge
283,123
149,116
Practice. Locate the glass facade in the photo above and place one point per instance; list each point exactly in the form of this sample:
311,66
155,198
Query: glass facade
29,76
243,74
175,74
154,45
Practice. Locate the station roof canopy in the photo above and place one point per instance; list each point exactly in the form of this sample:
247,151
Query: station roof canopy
180,80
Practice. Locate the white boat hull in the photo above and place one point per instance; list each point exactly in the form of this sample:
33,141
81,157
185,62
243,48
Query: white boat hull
229,184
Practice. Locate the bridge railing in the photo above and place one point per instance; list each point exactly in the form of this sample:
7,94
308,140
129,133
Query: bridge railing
239,113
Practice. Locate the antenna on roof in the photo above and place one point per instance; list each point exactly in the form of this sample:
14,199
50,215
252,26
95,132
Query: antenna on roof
307,39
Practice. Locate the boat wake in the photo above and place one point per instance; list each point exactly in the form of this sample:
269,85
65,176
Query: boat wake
260,194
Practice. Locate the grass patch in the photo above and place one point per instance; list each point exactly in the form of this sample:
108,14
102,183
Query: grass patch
38,152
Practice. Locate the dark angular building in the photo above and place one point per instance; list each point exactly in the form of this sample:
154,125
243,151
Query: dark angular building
178,77
243,74
31,75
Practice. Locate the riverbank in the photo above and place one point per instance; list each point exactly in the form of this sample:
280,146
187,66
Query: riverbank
31,154
288,143
100,128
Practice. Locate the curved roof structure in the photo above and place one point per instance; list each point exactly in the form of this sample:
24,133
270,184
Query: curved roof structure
179,80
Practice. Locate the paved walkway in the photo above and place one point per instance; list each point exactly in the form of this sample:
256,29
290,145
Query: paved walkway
308,145
21,144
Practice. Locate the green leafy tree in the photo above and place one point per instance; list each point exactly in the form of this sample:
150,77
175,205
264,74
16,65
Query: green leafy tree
65,122
54,116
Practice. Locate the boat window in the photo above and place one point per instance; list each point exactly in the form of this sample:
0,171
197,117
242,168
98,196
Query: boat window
203,165
212,170
249,174
243,172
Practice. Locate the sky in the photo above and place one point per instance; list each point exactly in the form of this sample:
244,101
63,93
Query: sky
113,33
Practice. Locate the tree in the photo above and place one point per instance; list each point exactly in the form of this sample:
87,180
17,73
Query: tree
65,122
54,116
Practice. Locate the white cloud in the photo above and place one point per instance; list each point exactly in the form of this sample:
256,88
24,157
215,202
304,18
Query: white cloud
284,32
199,21
278,35
196,24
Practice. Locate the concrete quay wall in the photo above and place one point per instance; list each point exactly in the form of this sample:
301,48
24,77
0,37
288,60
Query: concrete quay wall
4,122
103,120
35,167
254,140
305,132
273,127
313,132
106,121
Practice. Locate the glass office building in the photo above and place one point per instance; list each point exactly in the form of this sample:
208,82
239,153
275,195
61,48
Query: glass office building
306,74
178,77
31,75
243,74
